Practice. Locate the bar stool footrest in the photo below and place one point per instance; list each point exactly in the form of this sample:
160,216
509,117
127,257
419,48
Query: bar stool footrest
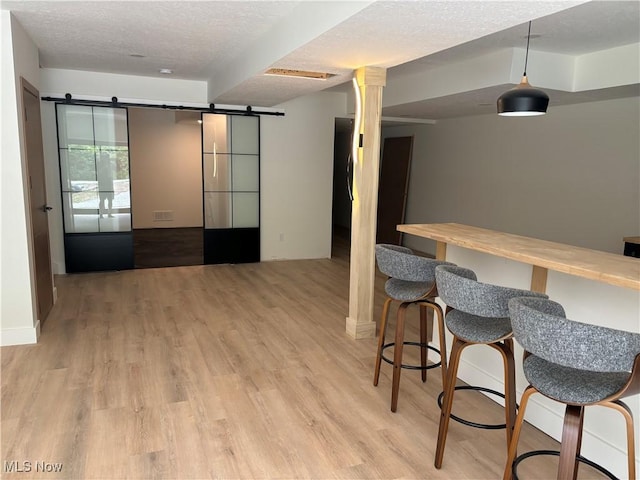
581,459
468,422
409,366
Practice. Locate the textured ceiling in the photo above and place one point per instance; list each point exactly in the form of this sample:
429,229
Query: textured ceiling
589,27
187,37
230,44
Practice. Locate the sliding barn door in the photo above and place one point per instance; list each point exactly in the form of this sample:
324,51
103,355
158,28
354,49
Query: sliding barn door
93,147
231,177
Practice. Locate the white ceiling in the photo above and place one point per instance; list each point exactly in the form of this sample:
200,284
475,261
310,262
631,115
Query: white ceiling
230,44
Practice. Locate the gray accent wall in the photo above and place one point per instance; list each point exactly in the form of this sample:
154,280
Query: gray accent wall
571,176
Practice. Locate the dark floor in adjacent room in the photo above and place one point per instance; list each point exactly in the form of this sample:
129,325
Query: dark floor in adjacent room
167,247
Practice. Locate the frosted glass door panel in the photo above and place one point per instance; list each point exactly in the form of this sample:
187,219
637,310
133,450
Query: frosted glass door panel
215,133
65,177
231,170
246,173
81,212
94,171
84,212
121,209
246,210
217,172
114,190
78,169
110,126
115,223
245,136
217,211
75,125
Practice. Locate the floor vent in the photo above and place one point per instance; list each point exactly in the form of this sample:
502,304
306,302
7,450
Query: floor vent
162,215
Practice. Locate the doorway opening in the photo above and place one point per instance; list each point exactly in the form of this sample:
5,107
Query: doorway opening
342,184
166,187
395,162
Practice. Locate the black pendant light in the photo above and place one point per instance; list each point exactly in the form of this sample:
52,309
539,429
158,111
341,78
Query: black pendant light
523,100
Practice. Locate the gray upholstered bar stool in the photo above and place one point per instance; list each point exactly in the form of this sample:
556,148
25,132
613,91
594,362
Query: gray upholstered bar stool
477,313
411,281
576,364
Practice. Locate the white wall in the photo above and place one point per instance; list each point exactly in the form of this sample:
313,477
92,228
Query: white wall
296,175
18,320
128,88
571,176
165,153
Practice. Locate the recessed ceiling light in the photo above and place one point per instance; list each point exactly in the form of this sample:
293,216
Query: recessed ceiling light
166,71
285,72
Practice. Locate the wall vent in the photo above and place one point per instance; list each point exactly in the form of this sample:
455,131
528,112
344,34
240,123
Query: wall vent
163,215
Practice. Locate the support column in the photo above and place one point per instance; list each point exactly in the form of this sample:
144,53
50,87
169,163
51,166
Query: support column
366,166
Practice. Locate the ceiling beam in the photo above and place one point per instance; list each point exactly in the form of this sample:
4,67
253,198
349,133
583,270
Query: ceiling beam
306,22
612,68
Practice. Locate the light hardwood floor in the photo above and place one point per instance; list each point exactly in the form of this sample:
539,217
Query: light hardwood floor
229,372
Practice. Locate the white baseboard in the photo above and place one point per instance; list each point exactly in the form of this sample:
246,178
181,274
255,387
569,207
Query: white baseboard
547,416
19,336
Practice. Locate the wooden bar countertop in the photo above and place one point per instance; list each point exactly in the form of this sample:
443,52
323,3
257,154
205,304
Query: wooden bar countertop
604,267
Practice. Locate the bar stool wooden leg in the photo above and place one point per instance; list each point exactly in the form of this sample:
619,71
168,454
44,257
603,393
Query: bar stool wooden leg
381,337
509,386
397,355
513,446
570,443
443,344
628,416
447,402
430,308
423,341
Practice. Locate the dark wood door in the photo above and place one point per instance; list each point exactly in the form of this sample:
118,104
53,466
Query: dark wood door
392,189
38,200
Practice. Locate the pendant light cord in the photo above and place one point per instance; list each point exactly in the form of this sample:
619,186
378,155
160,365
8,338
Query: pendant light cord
523,100
526,57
